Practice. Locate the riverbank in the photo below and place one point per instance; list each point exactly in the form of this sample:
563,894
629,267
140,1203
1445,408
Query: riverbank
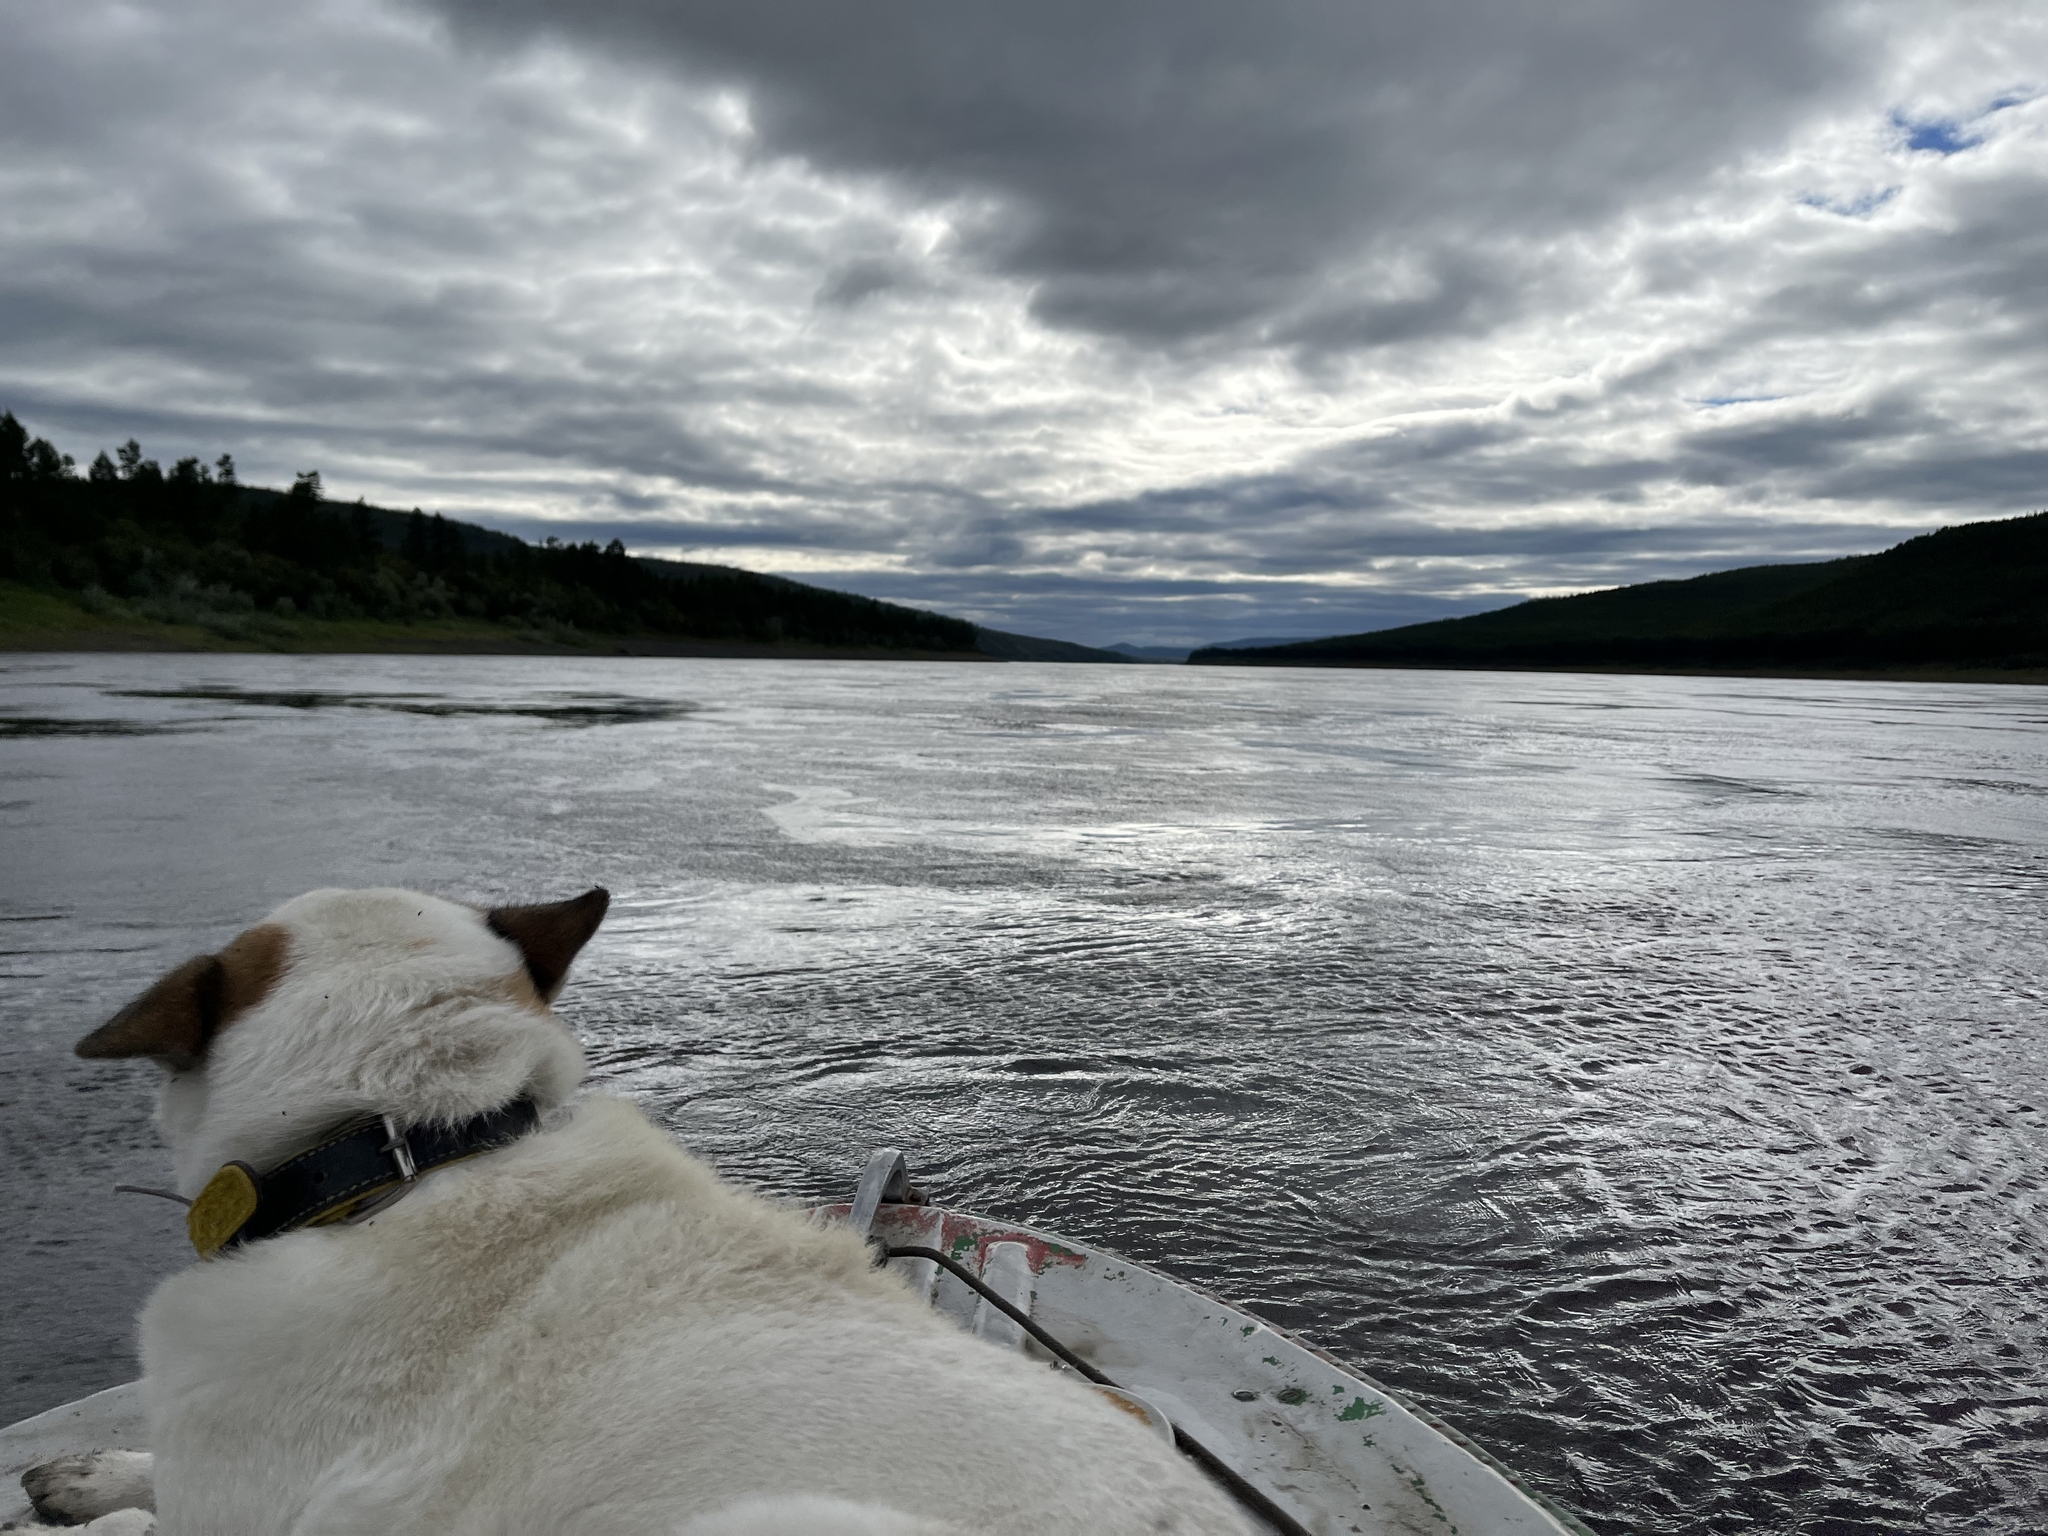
41,621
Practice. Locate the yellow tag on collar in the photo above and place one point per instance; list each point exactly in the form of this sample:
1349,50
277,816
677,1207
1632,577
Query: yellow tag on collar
228,1200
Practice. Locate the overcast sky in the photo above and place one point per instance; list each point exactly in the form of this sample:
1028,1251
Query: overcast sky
1150,320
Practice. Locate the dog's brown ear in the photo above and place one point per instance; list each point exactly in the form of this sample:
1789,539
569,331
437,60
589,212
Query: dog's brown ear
172,1021
176,1020
549,936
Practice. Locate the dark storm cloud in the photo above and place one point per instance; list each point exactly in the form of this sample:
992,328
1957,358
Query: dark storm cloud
862,278
1945,478
1725,455
1165,170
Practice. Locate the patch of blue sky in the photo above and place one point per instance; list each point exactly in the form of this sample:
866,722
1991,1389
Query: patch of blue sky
1714,402
1851,208
1952,135
1940,135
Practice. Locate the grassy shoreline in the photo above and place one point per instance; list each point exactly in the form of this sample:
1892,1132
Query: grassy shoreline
32,620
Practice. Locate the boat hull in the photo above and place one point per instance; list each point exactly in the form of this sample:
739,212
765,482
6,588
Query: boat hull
1340,1453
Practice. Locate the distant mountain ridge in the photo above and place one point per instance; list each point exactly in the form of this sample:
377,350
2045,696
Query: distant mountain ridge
1008,647
1179,653
1151,653
1974,595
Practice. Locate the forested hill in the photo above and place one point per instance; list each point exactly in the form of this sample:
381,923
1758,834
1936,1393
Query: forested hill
1970,596
193,546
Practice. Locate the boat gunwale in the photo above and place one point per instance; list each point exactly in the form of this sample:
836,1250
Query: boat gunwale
1571,1522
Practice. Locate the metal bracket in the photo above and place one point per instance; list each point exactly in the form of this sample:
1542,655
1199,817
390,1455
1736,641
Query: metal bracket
401,1153
887,1179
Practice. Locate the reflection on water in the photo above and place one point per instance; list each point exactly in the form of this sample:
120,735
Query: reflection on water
571,709
1645,1073
72,725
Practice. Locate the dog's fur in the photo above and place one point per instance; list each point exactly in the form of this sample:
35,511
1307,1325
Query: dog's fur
585,1331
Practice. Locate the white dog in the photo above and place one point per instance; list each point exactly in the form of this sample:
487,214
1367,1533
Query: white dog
567,1324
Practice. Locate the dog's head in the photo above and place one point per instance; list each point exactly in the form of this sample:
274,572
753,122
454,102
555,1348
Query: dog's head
349,1003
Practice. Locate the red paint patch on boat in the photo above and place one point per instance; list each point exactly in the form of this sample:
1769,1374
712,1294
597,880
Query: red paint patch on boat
961,1235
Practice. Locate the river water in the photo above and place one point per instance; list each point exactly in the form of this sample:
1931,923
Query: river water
1647,1074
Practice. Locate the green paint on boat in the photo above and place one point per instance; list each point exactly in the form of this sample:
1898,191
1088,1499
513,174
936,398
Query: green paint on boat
1249,1329
1361,1409
1272,1359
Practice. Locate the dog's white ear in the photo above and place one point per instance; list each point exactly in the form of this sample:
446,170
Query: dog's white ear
549,936
176,1020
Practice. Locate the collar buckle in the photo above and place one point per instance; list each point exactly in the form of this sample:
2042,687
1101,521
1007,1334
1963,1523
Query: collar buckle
401,1152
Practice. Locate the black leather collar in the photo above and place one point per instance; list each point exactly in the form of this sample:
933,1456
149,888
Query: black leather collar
343,1173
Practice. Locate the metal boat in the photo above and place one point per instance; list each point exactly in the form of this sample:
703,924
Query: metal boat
1305,1442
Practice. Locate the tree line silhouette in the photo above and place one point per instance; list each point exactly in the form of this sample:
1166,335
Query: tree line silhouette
192,544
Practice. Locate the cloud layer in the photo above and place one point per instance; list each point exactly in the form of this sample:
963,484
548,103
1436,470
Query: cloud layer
1117,321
